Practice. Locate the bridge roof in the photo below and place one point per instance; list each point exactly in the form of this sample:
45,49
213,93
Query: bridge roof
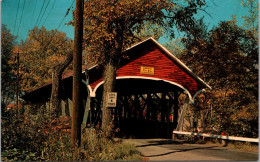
149,55
146,60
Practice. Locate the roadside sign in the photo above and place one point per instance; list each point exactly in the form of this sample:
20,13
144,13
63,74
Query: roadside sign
111,99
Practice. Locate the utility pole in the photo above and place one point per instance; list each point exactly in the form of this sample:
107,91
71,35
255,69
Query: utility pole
17,58
77,70
17,79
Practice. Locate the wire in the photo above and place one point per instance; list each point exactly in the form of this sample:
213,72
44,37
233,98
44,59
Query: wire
48,44
49,12
35,4
55,31
38,17
16,15
21,17
44,12
66,14
61,22
40,12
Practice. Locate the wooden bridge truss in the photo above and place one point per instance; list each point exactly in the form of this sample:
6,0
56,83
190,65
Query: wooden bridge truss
141,115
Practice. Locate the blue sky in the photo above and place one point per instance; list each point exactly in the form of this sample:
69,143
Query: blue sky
223,10
31,13
12,16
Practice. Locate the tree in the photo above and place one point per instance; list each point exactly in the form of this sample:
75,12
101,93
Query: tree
43,51
227,58
251,20
110,27
56,84
8,78
48,53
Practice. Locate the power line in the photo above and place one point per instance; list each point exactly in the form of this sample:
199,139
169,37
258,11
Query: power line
21,17
40,12
16,15
66,14
61,22
38,17
44,12
49,12
55,31
35,4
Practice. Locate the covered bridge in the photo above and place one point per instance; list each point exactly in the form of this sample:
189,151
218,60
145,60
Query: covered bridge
149,81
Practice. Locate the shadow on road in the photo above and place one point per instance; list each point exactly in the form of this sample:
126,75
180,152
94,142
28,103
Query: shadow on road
161,142
168,150
183,150
166,142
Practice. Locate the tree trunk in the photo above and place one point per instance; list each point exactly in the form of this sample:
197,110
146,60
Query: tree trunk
112,58
109,84
56,80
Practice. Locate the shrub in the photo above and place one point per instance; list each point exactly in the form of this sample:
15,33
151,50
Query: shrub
20,138
39,138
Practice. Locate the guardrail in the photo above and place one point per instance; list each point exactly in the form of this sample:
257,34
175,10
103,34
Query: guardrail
224,137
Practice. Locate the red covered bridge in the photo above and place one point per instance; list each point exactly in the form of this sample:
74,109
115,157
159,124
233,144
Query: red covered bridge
149,81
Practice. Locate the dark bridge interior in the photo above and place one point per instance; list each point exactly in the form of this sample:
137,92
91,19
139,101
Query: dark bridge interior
145,108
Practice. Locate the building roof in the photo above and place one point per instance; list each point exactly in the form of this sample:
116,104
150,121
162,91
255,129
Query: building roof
172,56
128,52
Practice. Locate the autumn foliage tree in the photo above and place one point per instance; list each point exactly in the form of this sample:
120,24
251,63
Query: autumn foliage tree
111,26
227,58
43,50
7,77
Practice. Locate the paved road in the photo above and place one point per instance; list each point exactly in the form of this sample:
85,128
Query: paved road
165,150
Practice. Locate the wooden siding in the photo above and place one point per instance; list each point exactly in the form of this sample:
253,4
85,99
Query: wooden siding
164,68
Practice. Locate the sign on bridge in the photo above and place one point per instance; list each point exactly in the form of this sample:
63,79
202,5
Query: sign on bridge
111,99
147,70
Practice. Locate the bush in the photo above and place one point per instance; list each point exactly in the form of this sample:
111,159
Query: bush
39,138
19,155
20,139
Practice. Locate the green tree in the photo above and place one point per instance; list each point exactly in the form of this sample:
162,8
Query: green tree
8,78
110,27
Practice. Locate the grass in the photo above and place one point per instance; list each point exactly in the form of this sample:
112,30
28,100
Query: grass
37,140
107,149
238,145
243,146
